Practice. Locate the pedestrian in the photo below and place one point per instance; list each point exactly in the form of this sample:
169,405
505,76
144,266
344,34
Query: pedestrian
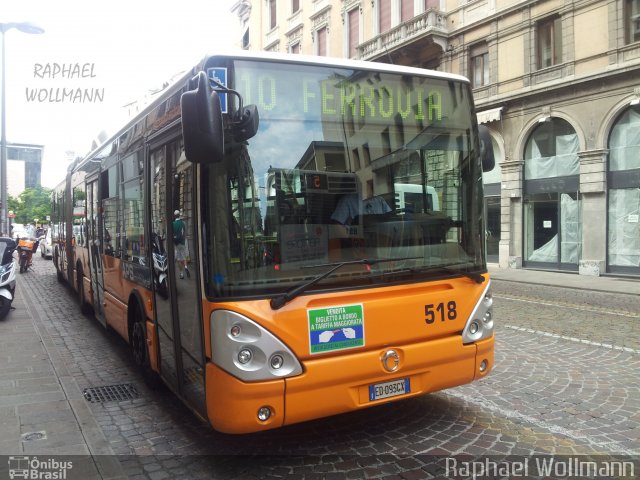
179,242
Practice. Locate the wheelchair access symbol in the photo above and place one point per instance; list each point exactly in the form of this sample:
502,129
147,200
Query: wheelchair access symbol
219,74
18,467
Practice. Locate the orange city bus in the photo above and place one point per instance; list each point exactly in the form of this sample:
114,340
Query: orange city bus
333,256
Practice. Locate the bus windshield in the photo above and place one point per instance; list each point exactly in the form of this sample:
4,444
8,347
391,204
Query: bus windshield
347,165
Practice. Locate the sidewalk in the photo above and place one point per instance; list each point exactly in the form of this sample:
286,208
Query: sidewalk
42,410
572,280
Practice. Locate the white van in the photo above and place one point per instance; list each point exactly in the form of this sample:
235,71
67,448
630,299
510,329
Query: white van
409,198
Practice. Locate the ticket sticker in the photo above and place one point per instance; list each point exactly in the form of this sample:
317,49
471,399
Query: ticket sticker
335,328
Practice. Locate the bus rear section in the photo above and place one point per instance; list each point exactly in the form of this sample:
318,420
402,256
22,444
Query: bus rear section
343,249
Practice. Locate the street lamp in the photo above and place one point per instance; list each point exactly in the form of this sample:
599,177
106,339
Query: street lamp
24,27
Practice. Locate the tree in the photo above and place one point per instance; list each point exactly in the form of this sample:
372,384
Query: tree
31,204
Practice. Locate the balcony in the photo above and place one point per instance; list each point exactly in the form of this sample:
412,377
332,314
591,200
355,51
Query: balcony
430,23
272,37
295,21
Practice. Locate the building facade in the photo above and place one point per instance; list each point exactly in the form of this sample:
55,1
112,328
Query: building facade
24,167
556,81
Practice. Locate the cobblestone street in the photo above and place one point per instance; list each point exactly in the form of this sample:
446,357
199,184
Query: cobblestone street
566,382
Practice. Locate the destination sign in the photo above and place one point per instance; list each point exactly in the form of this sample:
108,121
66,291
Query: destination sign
320,93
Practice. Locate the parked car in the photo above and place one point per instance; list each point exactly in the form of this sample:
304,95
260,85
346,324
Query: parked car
46,249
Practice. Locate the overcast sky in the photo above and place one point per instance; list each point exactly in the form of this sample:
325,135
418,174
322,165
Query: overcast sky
116,52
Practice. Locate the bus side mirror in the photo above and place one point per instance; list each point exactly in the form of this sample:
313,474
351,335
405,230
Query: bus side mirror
486,149
247,126
202,128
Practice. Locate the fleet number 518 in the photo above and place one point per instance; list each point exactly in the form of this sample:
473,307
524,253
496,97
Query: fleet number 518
440,312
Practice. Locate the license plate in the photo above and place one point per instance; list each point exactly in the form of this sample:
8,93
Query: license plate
389,389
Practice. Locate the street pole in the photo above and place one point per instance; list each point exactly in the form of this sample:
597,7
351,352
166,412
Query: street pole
3,165
24,27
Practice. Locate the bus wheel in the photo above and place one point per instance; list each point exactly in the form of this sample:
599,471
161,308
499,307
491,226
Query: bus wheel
84,306
140,354
139,345
56,262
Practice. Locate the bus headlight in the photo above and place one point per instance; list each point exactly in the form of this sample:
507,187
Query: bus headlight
276,361
248,351
264,414
480,323
244,356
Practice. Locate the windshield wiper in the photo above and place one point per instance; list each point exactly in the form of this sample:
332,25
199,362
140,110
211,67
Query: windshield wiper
476,277
281,300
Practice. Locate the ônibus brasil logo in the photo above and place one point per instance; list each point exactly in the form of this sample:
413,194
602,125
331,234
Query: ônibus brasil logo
35,469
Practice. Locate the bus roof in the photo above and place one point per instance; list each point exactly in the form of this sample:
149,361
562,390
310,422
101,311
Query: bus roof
335,62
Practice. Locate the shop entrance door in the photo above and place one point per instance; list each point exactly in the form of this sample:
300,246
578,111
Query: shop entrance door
551,231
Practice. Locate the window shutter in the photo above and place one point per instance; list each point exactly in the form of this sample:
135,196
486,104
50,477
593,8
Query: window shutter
354,31
407,10
272,14
385,15
322,42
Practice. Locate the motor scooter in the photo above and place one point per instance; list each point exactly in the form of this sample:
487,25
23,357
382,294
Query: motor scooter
26,248
7,274
160,267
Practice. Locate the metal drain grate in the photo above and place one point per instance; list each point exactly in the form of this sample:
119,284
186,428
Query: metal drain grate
111,393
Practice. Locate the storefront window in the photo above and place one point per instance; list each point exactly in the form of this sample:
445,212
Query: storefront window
552,227
624,193
491,181
493,176
624,143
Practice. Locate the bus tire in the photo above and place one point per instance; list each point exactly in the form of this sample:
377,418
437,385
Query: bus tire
139,344
56,262
84,306
140,352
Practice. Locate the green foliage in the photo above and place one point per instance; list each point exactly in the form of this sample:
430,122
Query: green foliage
31,204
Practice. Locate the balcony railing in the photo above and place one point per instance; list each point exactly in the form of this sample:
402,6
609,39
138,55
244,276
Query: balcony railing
430,22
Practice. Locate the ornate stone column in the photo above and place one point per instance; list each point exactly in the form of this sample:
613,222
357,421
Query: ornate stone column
593,187
510,249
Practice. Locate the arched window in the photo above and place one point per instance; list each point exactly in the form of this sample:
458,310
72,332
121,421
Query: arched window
623,242
552,230
624,141
552,151
493,176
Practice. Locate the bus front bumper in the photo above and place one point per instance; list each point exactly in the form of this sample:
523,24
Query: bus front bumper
336,384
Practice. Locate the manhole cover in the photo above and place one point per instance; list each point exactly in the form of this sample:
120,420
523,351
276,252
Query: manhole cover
111,393
27,437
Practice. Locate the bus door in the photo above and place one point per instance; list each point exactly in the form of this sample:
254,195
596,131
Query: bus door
178,315
95,258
